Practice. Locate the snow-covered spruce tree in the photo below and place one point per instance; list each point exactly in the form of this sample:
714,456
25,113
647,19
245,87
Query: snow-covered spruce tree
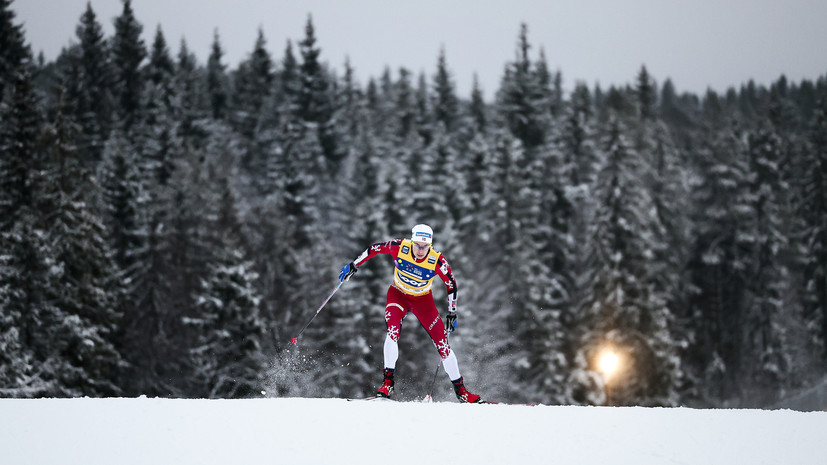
127,54
539,277
93,110
21,160
766,362
350,101
217,81
21,265
156,271
13,48
719,279
82,281
252,86
227,358
28,318
56,269
520,97
16,362
477,108
666,180
294,227
357,312
393,116
446,103
536,237
550,84
125,215
161,68
190,83
497,223
316,100
814,206
119,177
621,309
423,120
576,138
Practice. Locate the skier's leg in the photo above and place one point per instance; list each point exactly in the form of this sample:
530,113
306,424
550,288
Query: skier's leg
395,311
451,365
428,315
426,312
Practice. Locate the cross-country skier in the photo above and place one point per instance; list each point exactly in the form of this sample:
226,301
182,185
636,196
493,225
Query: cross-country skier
416,265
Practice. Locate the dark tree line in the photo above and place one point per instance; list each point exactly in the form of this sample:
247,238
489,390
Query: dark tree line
167,226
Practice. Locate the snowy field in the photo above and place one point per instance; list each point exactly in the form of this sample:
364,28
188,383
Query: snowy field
333,431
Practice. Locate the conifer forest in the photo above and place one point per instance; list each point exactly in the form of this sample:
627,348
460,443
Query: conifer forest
167,226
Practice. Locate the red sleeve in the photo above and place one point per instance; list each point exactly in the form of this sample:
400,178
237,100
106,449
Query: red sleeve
388,248
443,270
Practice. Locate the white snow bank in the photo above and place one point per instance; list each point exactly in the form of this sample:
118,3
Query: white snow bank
334,431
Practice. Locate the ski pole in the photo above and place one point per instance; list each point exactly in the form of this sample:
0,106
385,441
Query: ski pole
295,340
431,391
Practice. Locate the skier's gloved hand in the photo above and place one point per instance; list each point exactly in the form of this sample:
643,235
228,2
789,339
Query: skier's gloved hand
347,271
451,322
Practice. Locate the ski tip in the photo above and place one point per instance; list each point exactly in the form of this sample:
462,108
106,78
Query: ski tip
294,340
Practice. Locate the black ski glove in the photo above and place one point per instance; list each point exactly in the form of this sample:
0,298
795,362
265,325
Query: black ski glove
451,322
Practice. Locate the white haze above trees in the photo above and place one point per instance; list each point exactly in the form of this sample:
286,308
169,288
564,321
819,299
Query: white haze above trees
166,226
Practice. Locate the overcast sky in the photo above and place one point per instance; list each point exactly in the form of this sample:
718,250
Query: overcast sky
699,44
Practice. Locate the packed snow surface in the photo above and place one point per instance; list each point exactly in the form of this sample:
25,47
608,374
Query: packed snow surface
336,431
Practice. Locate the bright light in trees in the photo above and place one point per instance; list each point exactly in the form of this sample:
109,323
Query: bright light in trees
607,363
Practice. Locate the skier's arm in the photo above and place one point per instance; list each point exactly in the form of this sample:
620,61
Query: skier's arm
389,247
443,270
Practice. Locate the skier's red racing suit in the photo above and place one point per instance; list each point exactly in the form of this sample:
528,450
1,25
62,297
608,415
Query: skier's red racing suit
411,289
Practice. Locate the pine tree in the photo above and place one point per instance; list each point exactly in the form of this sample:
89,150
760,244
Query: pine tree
815,205
289,80
128,52
719,270
576,137
123,199
18,142
446,103
160,69
217,85
228,357
94,106
28,318
351,101
253,86
16,364
82,281
190,89
13,48
478,108
122,195
520,98
397,116
550,86
646,95
620,308
22,269
315,103
353,336
767,363
424,122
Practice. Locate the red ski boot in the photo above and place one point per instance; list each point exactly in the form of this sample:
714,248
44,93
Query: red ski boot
386,388
463,394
